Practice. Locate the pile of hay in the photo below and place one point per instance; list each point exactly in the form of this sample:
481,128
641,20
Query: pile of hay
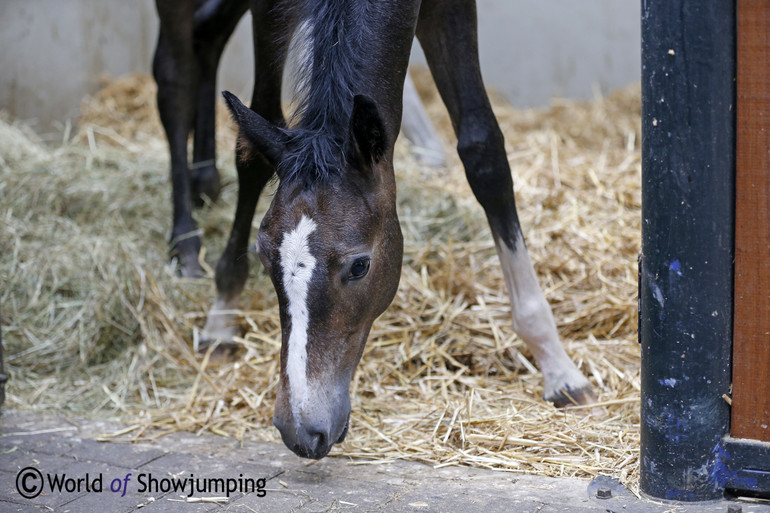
96,322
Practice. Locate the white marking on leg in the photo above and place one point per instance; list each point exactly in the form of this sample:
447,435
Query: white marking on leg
297,264
534,322
221,320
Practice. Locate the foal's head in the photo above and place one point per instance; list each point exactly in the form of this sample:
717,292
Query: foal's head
332,246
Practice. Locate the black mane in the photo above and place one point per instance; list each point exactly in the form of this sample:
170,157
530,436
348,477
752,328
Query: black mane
332,73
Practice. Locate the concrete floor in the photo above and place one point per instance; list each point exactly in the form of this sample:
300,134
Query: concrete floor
65,448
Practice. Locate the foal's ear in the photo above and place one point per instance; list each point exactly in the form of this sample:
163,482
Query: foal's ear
367,140
256,131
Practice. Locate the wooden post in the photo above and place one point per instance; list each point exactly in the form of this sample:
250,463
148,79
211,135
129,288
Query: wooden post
751,332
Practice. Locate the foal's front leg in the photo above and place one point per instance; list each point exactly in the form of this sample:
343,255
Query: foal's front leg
447,33
254,171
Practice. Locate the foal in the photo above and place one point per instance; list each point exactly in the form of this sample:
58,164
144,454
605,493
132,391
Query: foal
331,241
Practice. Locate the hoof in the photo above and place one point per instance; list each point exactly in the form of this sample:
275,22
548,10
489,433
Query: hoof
220,348
190,270
222,351
222,336
584,396
568,387
566,396
204,184
221,327
185,253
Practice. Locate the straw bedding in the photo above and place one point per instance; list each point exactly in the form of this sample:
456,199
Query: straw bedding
96,323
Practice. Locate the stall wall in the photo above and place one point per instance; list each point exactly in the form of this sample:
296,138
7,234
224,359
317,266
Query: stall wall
52,52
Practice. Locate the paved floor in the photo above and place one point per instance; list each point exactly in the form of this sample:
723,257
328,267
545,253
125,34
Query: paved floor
122,477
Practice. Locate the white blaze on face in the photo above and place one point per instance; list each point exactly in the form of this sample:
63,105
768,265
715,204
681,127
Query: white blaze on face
297,264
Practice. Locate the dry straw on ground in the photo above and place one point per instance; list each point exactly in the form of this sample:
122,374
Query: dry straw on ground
95,322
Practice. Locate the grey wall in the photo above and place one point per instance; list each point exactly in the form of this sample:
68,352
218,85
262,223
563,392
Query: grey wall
52,52
532,50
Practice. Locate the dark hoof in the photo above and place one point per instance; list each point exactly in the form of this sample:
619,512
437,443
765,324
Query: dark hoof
185,252
205,185
581,399
221,352
191,270
568,397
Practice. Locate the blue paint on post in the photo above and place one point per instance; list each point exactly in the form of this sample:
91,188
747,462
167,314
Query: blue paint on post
668,382
721,474
676,267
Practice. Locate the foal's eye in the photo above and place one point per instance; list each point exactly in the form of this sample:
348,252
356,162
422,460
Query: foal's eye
359,268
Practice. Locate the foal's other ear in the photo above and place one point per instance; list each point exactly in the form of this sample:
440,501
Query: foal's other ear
256,130
367,140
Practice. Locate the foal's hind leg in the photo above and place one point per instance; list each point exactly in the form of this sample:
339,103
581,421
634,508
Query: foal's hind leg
447,33
176,73
214,24
254,172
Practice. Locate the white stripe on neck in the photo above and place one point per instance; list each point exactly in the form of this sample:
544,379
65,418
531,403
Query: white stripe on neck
297,264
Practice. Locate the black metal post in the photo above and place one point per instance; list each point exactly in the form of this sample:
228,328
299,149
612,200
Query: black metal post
685,296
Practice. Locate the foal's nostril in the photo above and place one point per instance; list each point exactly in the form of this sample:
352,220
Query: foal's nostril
315,444
311,442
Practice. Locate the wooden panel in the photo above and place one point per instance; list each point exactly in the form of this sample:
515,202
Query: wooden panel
751,351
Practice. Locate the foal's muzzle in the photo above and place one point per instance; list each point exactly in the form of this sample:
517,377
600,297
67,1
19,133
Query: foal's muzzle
313,438
313,442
